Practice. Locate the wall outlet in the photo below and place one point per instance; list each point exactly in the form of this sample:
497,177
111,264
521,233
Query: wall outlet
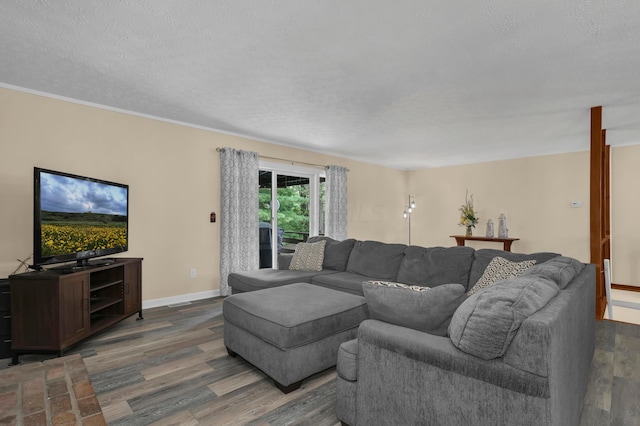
576,204
193,272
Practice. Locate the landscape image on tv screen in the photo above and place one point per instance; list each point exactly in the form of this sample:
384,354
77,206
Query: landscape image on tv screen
80,215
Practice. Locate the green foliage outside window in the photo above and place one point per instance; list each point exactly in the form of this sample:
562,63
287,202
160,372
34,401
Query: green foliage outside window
293,214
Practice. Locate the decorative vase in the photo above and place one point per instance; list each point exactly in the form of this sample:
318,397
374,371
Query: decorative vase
489,233
503,232
469,231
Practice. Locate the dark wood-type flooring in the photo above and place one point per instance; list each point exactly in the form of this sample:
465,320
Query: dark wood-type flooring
172,369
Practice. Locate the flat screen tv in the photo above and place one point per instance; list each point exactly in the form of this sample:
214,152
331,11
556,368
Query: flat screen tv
77,218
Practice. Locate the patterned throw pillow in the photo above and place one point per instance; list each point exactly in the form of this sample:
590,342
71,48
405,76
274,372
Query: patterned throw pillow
308,257
500,269
399,285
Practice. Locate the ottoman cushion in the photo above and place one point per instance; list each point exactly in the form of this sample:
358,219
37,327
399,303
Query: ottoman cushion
296,314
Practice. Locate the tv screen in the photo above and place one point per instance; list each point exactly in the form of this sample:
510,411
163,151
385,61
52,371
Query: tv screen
77,218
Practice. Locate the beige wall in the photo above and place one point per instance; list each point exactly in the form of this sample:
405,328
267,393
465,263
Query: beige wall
173,174
534,193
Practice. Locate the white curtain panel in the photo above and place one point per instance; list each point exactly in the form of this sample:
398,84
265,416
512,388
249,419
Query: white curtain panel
336,208
239,247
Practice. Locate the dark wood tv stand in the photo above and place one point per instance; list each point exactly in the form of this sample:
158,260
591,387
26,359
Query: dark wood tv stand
54,309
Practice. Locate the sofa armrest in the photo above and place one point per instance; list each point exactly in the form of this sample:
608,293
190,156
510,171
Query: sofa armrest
284,260
424,379
438,352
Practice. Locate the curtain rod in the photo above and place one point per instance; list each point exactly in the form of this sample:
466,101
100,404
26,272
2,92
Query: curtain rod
287,161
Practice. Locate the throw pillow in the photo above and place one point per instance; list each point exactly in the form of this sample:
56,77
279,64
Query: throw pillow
308,257
500,269
336,253
482,258
561,270
485,324
421,308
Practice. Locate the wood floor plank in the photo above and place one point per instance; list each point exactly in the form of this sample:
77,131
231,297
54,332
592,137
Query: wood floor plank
115,411
211,345
148,386
244,378
182,418
163,408
255,401
140,327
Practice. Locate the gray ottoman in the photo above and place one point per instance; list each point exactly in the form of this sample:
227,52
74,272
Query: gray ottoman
291,332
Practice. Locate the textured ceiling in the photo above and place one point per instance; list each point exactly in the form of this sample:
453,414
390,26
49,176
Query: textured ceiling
406,84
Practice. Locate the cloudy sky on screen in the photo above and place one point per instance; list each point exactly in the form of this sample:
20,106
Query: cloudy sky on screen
69,195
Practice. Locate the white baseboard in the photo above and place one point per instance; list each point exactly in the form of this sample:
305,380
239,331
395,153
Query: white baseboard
154,303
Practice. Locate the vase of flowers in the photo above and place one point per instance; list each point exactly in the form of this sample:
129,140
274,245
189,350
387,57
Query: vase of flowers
468,217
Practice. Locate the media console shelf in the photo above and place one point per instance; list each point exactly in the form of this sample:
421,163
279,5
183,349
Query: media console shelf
54,309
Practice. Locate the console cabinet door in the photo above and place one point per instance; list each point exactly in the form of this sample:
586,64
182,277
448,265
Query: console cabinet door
132,288
74,309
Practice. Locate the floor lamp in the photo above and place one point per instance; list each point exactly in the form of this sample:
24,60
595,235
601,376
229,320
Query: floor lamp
408,209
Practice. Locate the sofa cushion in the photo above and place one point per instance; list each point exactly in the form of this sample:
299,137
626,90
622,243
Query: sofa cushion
343,281
485,324
482,257
435,266
308,257
336,253
241,282
560,269
375,259
500,269
421,308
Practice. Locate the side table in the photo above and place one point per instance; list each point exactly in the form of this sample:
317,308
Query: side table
460,240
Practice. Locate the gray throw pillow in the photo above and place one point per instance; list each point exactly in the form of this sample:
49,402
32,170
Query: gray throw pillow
308,257
561,270
485,324
336,253
421,308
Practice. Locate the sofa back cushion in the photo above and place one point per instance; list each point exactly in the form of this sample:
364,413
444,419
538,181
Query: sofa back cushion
435,266
424,309
336,253
486,323
482,258
376,259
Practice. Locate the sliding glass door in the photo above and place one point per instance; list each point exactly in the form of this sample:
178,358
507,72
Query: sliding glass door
290,208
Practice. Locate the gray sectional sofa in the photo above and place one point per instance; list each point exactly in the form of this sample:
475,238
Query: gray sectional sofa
517,352
348,263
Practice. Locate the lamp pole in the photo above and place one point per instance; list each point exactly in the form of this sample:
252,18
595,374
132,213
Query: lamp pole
408,209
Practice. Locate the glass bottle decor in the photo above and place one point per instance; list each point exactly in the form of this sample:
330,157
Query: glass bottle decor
489,233
503,232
